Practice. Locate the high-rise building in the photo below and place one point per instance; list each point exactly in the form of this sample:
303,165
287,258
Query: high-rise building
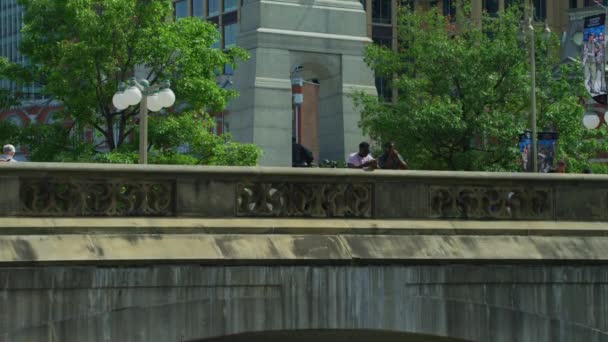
10,37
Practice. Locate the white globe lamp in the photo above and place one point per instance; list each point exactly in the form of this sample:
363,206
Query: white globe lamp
606,117
119,101
154,104
591,121
166,97
132,95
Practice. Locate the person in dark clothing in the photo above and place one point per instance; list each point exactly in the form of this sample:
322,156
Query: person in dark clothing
300,155
391,159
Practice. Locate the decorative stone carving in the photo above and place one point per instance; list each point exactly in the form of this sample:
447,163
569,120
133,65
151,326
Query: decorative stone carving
96,197
304,200
470,202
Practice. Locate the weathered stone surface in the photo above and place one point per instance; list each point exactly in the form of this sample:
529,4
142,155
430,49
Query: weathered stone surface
499,303
9,195
149,241
134,190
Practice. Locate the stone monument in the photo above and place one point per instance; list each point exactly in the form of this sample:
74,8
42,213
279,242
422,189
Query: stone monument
325,39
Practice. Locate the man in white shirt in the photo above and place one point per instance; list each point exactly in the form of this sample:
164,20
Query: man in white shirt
8,154
362,159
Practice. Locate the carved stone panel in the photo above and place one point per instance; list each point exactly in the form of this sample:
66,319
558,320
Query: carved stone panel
471,202
96,197
304,200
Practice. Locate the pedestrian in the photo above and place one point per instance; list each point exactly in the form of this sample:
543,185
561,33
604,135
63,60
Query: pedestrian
300,155
8,154
391,159
362,159
561,167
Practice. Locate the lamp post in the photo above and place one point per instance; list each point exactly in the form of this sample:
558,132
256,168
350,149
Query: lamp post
534,140
153,98
297,99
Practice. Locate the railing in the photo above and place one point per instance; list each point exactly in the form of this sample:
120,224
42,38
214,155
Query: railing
101,190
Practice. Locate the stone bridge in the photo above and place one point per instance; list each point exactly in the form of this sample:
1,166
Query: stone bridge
165,253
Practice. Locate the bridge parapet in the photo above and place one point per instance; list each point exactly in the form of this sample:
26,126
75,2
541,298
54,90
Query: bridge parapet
76,190
165,253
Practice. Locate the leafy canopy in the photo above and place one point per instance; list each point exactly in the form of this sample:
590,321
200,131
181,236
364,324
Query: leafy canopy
79,51
463,93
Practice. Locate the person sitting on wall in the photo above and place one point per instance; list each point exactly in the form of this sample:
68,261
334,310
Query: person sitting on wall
8,154
561,167
300,155
362,159
391,159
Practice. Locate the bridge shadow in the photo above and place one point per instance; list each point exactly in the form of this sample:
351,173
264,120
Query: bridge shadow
329,335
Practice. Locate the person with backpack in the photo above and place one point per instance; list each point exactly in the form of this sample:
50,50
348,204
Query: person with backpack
8,155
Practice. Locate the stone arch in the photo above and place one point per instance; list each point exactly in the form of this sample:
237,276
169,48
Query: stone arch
325,70
330,335
330,44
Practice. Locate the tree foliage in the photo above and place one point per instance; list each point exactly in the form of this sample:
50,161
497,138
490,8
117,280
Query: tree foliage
79,51
463,93
184,138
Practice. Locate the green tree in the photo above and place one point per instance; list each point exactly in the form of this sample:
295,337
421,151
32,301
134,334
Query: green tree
169,134
7,99
79,52
463,93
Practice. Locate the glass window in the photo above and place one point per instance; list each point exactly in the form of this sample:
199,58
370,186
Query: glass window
180,9
381,11
593,3
230,35
216,45
491,7
540,10
384,91
383,41
213,7
230,5
228,70
408,3
449,8
197,8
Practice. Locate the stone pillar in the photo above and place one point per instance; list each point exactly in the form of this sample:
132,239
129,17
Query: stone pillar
326,38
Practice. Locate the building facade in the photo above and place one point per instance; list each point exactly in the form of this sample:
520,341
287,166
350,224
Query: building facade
11,16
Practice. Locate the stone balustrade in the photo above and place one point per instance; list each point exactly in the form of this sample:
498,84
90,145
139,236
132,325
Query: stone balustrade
101,190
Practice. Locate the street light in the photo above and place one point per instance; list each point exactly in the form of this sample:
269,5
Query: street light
547,32
591,121
297,99
153,98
